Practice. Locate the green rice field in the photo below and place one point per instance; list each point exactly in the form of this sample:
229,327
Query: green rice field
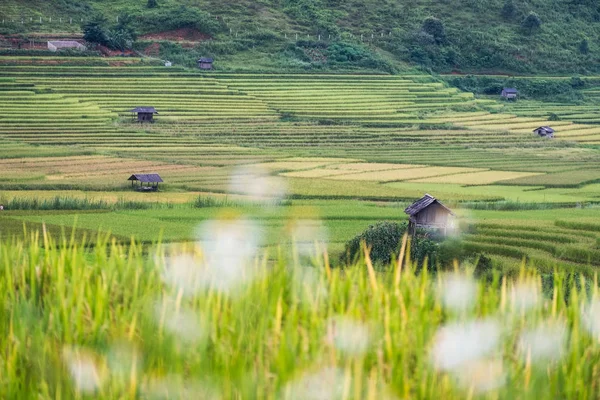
367,144
228,282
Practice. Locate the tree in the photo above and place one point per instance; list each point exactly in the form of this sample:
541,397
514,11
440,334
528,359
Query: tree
119,39
435,28
152,4
94,31
584,47
531,22
508,10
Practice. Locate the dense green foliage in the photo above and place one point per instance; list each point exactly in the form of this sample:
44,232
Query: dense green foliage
384,240
553,36
118,37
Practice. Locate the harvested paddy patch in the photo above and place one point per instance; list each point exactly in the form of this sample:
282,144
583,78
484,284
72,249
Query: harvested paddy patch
404,174
478,178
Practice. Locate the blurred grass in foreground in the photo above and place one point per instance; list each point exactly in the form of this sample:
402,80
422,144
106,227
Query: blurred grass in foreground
113,323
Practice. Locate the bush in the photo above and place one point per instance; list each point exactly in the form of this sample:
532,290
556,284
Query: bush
435,28
531,23
120,37
584,46
152,4
384,239
508,10
94,31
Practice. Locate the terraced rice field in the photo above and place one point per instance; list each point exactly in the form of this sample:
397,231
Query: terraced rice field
351,138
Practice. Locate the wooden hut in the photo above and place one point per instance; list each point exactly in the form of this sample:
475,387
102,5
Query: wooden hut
510,93
144,114
544,131
147,182
429,213
205,63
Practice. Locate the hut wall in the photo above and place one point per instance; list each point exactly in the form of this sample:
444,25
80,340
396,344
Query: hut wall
432,215
145,117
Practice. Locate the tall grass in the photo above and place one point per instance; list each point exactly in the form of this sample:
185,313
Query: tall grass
74,203
107,324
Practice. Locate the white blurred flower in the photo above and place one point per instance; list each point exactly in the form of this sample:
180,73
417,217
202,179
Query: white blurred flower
183,272
544,343
524,295
83,366
458,292
481,376
229,249
257,183
308,284
183,323
309,236
175,387
458,343
324,384
590,318
123,360
348,336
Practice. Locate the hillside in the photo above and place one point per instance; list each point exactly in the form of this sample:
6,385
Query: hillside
464,36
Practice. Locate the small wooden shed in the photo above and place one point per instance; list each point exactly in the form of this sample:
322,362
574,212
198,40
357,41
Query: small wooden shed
205,63
144,114
147,182
429,213
544,131
510,93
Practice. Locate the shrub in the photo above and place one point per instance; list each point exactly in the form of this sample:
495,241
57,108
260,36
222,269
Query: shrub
383,238
584,46
577,82
94,31
152,4
120,37
435,28
531,22
508,10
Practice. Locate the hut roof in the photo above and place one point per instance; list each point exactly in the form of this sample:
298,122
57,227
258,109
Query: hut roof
545,129
510,90
422,204
146,178
144,110
205,60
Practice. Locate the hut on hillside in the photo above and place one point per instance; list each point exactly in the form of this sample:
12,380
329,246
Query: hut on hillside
510,93
544,131
429,213
147,182
56,45
205,63
144,114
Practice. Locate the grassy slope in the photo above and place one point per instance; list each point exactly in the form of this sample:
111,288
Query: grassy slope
479,39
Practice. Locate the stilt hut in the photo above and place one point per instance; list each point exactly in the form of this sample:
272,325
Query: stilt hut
147,182
144,114
510,93
544,131
205,63
429,213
